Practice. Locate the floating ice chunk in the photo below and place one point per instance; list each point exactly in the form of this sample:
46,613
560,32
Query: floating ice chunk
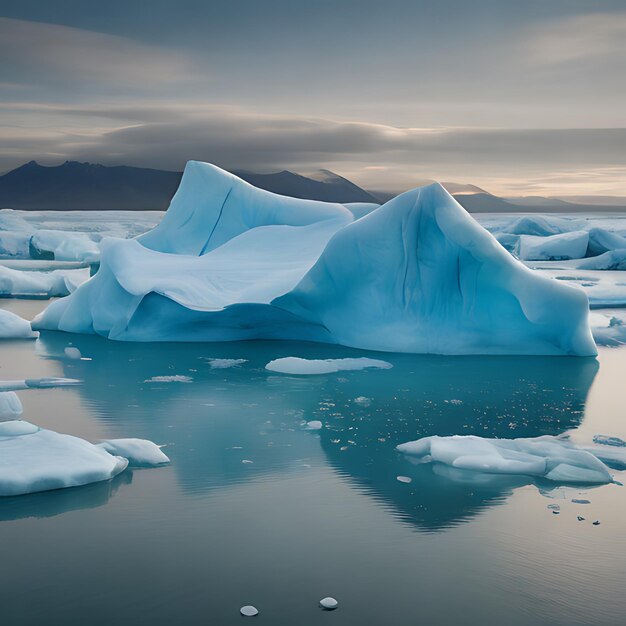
602,240
552,458
296,365
72,353
231,262
220,364
404,479
15,244
580,501
613,260
10,405
15,327
37,383
542,225
33,459
607,440
249,610
329,604
64,246
313,425
139,452
177,378
14,282
552,248
363,401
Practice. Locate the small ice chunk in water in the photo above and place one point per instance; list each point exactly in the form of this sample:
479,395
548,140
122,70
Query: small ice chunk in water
139,452
579,501
404,479
296,365
313,425
220,364
72,353
554,507
606,440
249,610
177,378
329,604
363,401
10,405
247,461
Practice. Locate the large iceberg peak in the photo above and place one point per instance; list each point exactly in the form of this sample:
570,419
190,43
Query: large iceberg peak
230,262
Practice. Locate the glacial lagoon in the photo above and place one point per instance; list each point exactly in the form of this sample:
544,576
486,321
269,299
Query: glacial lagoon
257,509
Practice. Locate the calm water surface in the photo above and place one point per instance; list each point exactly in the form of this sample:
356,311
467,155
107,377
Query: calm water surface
314,513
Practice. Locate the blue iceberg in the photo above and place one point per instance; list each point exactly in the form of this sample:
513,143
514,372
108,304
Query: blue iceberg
233,262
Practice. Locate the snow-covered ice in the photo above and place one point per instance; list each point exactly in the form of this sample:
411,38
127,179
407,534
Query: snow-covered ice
34,459
571,245
15,327
10,405
554,459
296,365
14,282
221,364
139,452
417,274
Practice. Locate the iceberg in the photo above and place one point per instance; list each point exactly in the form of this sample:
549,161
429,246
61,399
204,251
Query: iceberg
15,327
572,245
550,458
34,459
232,262
15,282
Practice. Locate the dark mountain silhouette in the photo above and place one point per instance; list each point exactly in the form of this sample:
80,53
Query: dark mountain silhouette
86,186
487,203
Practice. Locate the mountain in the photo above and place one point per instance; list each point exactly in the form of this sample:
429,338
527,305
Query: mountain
486,203
87,186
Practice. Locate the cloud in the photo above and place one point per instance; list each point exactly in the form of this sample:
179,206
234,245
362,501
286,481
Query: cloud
35,52
588,37
377,155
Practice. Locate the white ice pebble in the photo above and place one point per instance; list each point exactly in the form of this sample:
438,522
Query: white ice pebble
313,425
296,365
329,603
176,378
254,265
33,459
139,452
552,458
363,401
72,353
15,327
249,610
404,479
10,405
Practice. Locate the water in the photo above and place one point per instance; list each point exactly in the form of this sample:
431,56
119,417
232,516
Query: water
316,513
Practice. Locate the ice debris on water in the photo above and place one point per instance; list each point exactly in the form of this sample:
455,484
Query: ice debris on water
363,401
296,365
72,353
404,479
220,364
177,378
14,327
37,383
313,425
607,440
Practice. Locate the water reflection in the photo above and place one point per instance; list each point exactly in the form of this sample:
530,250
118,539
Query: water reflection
243,423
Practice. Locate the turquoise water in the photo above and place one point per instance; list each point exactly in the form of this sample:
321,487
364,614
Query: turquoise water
314,513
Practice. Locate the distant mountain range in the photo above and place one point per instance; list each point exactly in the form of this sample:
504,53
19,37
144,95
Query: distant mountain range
86,186
76,186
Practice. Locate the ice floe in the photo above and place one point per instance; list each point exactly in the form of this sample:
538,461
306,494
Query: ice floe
37,383
34,459
296,365
14,282
15,327
554,459
175,378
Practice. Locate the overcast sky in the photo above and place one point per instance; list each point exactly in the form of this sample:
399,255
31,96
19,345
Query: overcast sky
519,97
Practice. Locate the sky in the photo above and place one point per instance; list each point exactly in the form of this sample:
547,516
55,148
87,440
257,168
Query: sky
520,98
